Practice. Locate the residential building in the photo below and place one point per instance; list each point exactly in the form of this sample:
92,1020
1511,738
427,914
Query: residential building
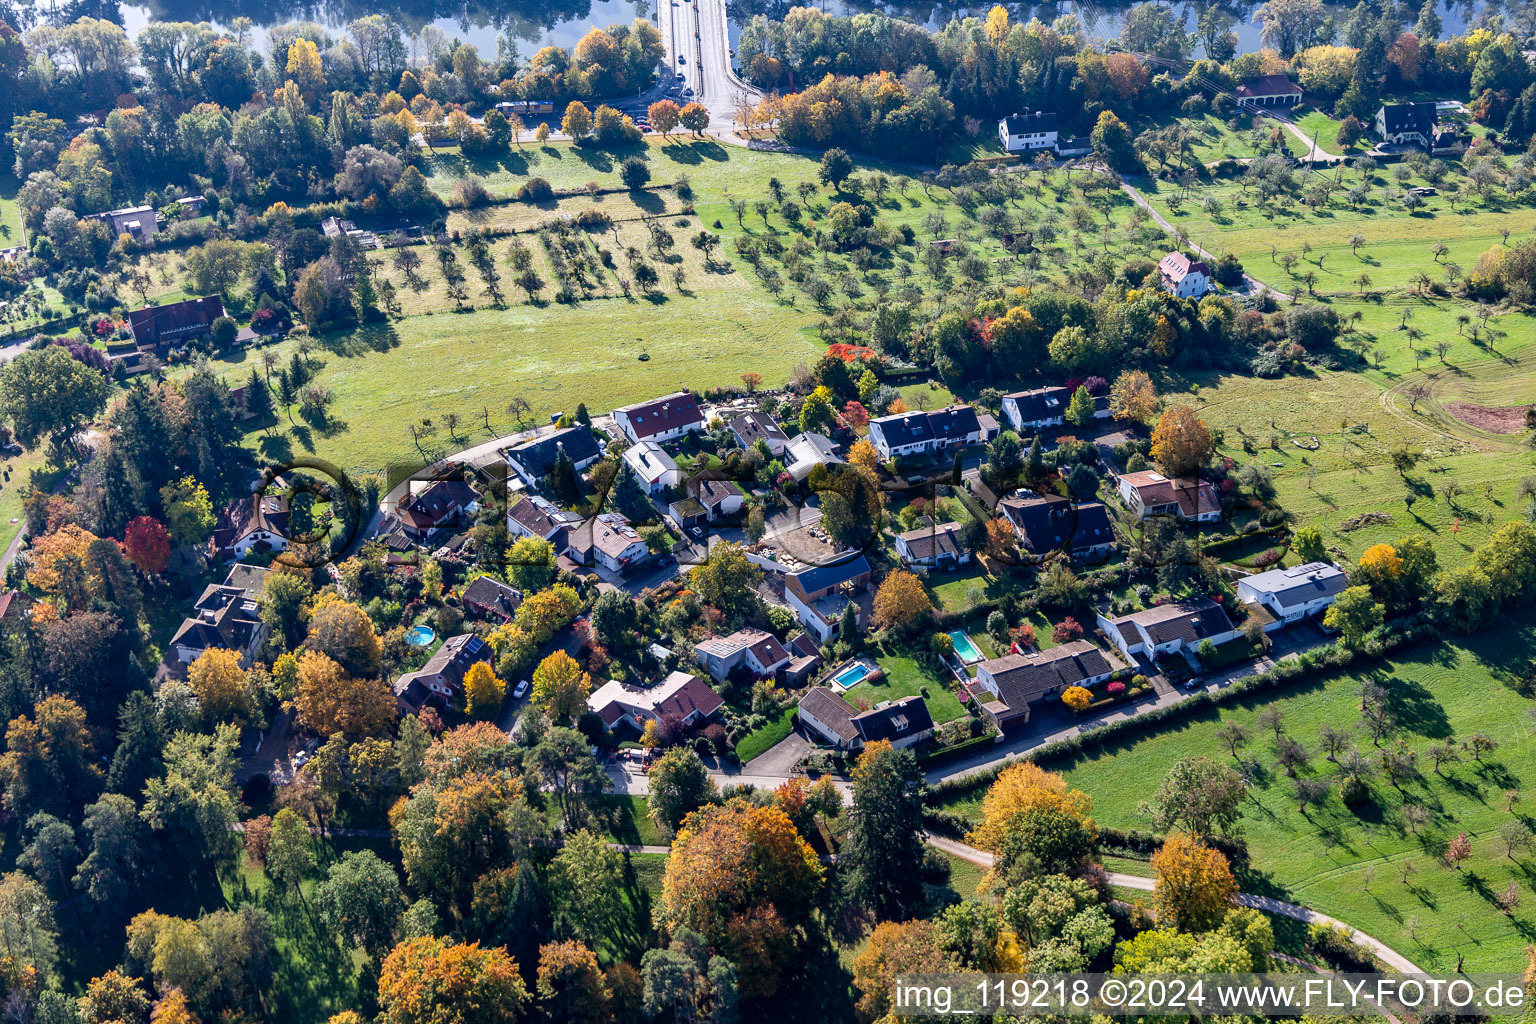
1268,91
440,505
1401,123
138,222
440,681
225,617
681,698
1169,628
399,546
660,419
1026,133
174,324
1149,493
607,542
192,206
819,594
536,516
653,467
258,523
919,433
1184,277
807,451
826,714
804,659
1018,681
531,461
932,547
1047,523
1292,594
489,598
752,427
719,498
759,651
1033,410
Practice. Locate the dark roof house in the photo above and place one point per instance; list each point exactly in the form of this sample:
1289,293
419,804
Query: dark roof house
489,597
441,679
441,504
533,460
1046,523
163,326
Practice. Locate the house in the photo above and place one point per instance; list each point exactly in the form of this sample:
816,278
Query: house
138,222
819,594
1149,493
1033,410
1400,123
653,467
759,651
608,542
660,419
917,433
932,547
804,659
192,206
441,680
1076,145
536,516
489,598
752,427
1294,593
258,523
157,327
531,461
806,452
1268,91
720,499
399,546
334,227
1049,522
225,617
1018,681
1168,628
902,722
1025,133
1186,278
440,505
681,698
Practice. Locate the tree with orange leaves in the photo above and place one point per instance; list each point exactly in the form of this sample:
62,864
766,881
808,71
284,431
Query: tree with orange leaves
451,834
571,986
864,455
438,981
1001,538
893,950
901,602
1018,788
477,747
1181,442
173,1008
1194,886
59,557
328,700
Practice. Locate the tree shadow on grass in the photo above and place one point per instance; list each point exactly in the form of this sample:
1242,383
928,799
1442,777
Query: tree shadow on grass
365,338
1415,708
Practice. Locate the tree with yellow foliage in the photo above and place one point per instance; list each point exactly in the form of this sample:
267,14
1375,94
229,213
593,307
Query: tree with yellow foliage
650,736
344,632
577,122
1181,442
1022,787
173,1008
893,949
222,686
1077,698
483,692
864,455
438,981
113,997
560,687
304,66
901,602
54,558
1381,569
1132,397
328,700
1194,886
997,26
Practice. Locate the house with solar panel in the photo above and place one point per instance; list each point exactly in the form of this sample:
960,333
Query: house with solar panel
1295,593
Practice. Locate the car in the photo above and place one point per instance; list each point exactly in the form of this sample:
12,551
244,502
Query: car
682,59
687,92
521,689
10,448
680,76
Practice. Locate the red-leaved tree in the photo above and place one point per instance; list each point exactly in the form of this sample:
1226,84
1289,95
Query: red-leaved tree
147,544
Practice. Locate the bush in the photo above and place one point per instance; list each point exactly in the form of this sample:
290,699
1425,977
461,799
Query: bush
1077,698
535,190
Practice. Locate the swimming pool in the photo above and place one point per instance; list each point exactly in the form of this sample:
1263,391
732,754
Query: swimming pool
964,647
851,675
420,636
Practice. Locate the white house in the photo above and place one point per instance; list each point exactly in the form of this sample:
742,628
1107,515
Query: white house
532,460
917,433
760,651
1032,410
720,499
682,698
1186,278
1149,493
807,451
825,713
1295,593
1170,628
1401,123
932,547
1023,133
607,541
661,419
141,222
653,467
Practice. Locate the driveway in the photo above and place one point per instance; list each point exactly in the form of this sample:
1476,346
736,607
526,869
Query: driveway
780,758
1284,643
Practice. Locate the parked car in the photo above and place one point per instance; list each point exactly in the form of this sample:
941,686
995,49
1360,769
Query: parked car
681,59
521,689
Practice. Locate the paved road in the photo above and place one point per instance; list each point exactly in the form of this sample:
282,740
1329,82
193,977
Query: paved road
695,30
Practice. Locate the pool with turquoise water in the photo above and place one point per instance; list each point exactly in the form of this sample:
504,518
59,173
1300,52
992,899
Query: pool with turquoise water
851,675
420,636
967,650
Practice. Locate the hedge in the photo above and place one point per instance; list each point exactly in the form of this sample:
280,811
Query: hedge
956,749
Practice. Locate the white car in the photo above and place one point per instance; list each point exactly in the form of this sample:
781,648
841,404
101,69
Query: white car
521,689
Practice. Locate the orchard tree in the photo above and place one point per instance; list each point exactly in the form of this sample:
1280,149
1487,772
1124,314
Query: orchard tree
1201,796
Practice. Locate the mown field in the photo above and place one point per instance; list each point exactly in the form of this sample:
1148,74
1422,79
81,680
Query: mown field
1347,862
11,232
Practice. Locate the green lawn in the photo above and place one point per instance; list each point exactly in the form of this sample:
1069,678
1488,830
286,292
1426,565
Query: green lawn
30,468
621,818
1347,862
11,230
759,740
904,677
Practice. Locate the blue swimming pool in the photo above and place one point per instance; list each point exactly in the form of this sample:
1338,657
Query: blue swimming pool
420,636
851,675
967,650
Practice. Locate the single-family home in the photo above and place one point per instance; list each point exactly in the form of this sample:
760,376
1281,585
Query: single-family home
1268,91
719,498
536,516
138,222
258,523
1017,681
660,419
807,451
1400,123
176,323
653,467
608,542
1184,277
440,681
804,659
192,206
1048,522
819,594
681,698
932,547
335,227
1033,410
1169,628
760,651
532,460
825,713
752,427
226,617
489,598
438,506
1294,593
1149,493
1024,133
399,546
917,433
